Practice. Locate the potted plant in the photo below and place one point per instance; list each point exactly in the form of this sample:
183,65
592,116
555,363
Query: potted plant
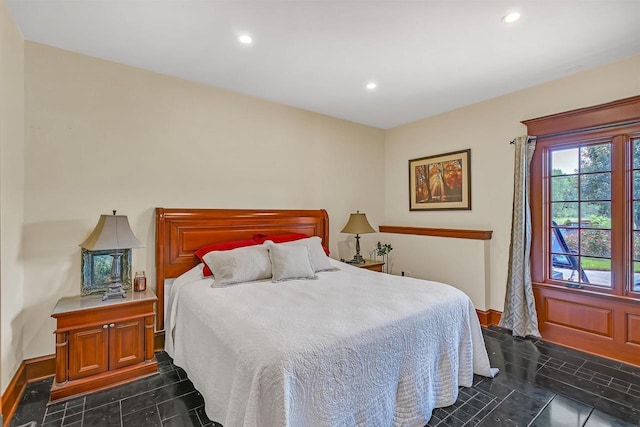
383,251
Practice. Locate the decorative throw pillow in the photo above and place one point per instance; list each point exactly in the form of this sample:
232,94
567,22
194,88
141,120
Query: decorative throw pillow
319,259
245,264
221,246
290,262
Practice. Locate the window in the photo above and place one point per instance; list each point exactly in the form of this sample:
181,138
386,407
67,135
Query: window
586,200
635,285
581,225
585,225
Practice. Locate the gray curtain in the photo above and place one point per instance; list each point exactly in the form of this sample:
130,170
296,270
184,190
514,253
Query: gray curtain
519,313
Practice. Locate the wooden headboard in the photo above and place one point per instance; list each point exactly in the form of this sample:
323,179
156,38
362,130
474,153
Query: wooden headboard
180,232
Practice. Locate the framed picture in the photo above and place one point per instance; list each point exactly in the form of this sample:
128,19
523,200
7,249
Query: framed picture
441,182
96,270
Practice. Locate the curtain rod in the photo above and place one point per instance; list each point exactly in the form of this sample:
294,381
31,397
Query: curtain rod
513,141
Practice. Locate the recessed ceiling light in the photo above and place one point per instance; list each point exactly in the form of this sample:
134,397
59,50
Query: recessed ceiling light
245,39
371,85
511,17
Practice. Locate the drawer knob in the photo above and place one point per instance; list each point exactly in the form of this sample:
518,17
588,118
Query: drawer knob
112,325
105,326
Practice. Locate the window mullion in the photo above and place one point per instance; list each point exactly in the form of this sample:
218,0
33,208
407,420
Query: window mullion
620,215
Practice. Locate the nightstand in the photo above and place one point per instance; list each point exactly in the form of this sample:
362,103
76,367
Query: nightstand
101,344
371,264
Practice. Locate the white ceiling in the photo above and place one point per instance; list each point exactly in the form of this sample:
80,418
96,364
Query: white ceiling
426,56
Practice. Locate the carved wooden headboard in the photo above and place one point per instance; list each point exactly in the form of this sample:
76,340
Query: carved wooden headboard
180,232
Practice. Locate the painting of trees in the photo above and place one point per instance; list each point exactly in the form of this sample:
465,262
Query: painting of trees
440,182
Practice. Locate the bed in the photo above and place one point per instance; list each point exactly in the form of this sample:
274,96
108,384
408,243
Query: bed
350,347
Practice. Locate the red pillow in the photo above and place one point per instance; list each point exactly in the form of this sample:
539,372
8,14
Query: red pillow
282,238
222,246
279,238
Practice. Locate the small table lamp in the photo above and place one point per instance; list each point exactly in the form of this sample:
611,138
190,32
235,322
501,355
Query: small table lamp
112,233
357,225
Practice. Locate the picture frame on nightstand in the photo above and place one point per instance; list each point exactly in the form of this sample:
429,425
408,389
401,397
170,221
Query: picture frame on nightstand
96,271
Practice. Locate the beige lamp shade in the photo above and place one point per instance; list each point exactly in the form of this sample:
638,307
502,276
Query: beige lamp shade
358,224
111,232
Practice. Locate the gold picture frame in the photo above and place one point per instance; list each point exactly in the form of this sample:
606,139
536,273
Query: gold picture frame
440,182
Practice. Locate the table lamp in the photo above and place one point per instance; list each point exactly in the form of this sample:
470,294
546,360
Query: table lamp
112,233
357,225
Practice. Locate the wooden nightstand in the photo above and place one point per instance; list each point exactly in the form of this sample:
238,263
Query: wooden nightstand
101,344
372,265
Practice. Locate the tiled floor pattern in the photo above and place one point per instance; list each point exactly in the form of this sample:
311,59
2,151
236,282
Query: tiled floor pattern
540,384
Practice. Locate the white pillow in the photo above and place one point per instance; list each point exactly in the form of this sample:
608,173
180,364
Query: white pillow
239,265
319,259
290,262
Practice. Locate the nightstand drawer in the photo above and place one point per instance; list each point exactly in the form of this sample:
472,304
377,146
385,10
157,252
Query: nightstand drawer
372,265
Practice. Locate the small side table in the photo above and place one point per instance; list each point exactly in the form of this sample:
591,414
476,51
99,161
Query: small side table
101,344
371,264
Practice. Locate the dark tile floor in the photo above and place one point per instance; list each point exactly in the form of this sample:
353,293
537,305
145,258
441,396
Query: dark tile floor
540,384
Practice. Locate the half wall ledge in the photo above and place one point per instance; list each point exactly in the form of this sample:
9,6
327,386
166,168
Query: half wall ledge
438,232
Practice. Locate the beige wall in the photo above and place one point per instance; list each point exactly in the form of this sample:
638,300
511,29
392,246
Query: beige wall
11,195
103,136
478,269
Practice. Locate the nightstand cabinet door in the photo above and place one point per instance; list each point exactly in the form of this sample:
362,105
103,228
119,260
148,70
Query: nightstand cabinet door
89,355
126,343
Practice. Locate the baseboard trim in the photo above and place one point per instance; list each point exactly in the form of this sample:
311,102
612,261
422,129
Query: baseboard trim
158,341
489,317
29,370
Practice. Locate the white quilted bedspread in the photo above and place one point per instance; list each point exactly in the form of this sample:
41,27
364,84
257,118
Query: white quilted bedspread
354,348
